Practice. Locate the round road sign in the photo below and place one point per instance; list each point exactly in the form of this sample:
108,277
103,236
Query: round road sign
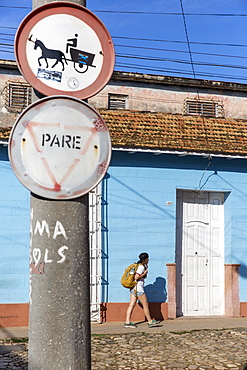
62,48
60,148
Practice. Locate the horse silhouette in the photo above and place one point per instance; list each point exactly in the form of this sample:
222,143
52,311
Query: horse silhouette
49,54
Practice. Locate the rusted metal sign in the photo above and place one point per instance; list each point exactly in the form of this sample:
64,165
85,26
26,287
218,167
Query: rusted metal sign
60,148
62,48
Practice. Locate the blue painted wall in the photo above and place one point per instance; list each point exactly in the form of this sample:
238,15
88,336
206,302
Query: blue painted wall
14,235
140,214
136,218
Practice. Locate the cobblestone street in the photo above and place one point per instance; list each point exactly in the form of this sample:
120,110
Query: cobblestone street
197,349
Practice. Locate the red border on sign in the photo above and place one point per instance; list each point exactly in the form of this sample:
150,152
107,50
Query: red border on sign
84,15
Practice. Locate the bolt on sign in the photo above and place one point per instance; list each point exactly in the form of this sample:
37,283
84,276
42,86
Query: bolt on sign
62,48
60,147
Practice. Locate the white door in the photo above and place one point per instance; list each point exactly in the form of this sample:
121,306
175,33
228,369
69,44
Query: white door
200,253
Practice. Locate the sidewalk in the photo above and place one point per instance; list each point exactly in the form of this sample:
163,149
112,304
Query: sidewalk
179,324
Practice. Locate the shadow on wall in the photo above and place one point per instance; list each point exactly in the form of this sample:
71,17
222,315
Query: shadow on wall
243,272
156,295
242,268
156,292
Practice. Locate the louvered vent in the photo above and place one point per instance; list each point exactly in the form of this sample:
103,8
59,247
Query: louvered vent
17,96
117,101
207,108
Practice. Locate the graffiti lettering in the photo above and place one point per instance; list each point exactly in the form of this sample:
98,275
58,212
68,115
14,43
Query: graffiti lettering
39,257
37,267
59,230
60,252
43,226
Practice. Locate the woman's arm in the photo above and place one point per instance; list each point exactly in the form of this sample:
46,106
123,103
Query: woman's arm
139,276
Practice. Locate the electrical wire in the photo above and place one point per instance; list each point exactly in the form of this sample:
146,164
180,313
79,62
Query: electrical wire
142,12
170,13
180,51
6,44
2,44
164,50
177,71
187,39
12,28
161,40
162,59
180,42
159,59
15,7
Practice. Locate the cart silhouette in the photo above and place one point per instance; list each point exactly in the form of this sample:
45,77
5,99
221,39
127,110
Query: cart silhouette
82,60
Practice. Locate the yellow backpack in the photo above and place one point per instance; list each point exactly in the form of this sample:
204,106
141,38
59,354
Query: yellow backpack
128,278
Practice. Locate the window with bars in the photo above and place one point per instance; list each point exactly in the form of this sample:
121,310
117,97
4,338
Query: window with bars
117,101
17,96
206,108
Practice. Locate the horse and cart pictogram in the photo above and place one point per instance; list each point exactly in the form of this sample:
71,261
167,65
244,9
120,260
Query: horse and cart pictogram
81,59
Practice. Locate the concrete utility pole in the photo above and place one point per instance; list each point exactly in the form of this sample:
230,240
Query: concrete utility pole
59,321
37,3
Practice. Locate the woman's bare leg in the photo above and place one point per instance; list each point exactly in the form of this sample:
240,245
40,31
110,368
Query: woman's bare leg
143,299
133,300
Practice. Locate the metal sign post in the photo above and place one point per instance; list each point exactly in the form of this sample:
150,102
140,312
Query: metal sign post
60,149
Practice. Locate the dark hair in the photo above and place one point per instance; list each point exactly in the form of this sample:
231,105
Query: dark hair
142,257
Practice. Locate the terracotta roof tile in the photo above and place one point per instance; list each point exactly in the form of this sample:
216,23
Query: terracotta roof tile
160,131
4,132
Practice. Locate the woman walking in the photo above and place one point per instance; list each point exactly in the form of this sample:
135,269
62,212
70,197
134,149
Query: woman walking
138,293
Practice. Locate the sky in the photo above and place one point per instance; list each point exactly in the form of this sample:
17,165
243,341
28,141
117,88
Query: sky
182,38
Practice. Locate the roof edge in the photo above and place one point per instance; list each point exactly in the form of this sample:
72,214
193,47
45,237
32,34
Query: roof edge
158,79
175,152
178,81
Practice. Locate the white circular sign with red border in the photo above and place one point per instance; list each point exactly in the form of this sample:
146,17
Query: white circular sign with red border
62,48
60,148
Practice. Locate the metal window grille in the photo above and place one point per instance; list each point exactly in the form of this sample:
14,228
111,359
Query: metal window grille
117,101
95,252
207,108
18,95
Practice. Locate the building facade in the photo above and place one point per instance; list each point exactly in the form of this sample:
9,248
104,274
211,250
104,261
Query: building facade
175,188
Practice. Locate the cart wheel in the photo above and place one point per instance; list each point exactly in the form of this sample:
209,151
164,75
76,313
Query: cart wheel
81,68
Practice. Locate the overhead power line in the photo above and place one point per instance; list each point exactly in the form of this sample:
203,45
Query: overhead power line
187,39
178,71
3,44
6,51
155,49
159,40
181,51
170,13
158,59
15,7
177,41
12,28
145,13
162,59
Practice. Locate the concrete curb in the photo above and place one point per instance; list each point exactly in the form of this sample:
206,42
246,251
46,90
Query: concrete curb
179,324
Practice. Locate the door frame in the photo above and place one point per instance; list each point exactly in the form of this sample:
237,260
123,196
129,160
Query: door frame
179,257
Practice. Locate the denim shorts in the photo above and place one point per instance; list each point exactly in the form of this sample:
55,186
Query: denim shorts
136,294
